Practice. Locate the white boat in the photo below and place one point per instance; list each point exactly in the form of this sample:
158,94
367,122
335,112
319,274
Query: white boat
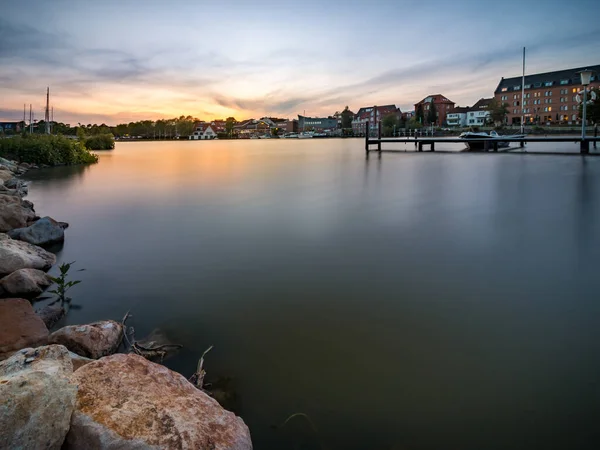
254,137
305,135
265,136
476,140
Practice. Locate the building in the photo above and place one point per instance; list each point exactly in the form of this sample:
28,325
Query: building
549,97
203,130
479,113
11,127
251,127
457,117
317,123
338,116
442,107
374,115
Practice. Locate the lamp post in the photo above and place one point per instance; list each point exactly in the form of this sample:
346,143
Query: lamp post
586,76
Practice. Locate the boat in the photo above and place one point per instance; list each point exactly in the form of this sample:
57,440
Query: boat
475,140
265,136
290,136
254,137
305,135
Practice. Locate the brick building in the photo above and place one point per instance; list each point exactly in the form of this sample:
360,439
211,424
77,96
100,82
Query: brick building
549,97
442,107
374,115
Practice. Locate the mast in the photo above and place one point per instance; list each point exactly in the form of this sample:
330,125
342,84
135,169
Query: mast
52,119
30,120
523,96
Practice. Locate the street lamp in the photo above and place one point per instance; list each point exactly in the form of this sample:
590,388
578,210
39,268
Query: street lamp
586,78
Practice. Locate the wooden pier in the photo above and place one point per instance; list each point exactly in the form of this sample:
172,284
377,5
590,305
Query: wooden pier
490,144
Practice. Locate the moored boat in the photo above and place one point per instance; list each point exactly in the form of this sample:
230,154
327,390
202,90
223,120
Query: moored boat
476,141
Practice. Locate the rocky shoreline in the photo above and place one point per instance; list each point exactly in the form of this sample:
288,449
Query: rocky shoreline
70,388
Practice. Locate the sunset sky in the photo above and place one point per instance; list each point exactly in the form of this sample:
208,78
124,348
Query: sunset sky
126,60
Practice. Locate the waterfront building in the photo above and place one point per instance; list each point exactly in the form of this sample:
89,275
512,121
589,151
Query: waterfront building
550,97
457,117
442,107
479,113
251,127
11,127
203,130
373,115
318,124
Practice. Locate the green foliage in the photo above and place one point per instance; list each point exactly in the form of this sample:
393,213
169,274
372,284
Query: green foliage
419,114
593,108
62,285
432,114
346,118
390,123
46,149
414,123
100,142
229,124
498,111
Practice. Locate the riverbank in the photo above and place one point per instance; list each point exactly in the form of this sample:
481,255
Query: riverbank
89,385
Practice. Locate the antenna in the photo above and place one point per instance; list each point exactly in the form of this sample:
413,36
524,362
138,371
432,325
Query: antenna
47,115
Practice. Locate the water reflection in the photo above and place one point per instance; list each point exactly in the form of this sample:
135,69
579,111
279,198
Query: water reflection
410,300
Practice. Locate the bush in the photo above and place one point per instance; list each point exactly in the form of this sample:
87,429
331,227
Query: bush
100,142
46,149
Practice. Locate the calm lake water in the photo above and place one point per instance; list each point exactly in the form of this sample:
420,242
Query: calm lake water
415,301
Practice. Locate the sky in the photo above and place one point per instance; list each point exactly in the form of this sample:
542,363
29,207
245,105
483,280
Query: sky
119,61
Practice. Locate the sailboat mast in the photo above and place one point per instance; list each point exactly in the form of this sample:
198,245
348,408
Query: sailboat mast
523,96
30,120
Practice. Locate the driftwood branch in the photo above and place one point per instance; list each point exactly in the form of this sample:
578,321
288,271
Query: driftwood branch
197,379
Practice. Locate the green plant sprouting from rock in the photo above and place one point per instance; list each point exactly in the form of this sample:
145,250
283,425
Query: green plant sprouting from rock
62,285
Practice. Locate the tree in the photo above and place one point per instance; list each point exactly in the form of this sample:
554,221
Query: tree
498,111
593,108
229,124
419,114
432,114
390,124
346,118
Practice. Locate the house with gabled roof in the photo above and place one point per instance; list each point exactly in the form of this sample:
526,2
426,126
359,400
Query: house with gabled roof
442,107
373,115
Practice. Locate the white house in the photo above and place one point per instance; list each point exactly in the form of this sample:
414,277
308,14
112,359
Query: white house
203,131
457,117
478,114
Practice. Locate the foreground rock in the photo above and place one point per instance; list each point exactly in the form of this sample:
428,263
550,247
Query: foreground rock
15,255
5,174
12,213
51,314
43,232
93,340
128,402
20,327
38,398
25,283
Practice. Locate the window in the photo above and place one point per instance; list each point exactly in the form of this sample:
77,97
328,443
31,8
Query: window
516,88
514,96
564,91
548,83
546,109
527,86
564,81
575,107
537,94
574,91
574,117
574,98
504,89
515,111
537,85
525,102
504,97
549,108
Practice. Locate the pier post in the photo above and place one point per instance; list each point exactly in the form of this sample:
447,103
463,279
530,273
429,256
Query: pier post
584,147
486,146
379,136
367,137
433,146
522,144
420,146
495,146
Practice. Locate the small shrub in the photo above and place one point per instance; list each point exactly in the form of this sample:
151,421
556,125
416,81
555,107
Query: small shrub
100,142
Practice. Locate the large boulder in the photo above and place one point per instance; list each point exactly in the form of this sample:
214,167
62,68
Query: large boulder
15,255
127,402
5,174
93,340
43,232
79,361
38,398
26,283
20,326
51,314
12,214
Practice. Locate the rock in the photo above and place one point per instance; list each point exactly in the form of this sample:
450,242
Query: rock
51,314
25,166
8,164
5,175
15,255
128,402
38,398
43,232
79,361
12,214
20,326
94,340
26,283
